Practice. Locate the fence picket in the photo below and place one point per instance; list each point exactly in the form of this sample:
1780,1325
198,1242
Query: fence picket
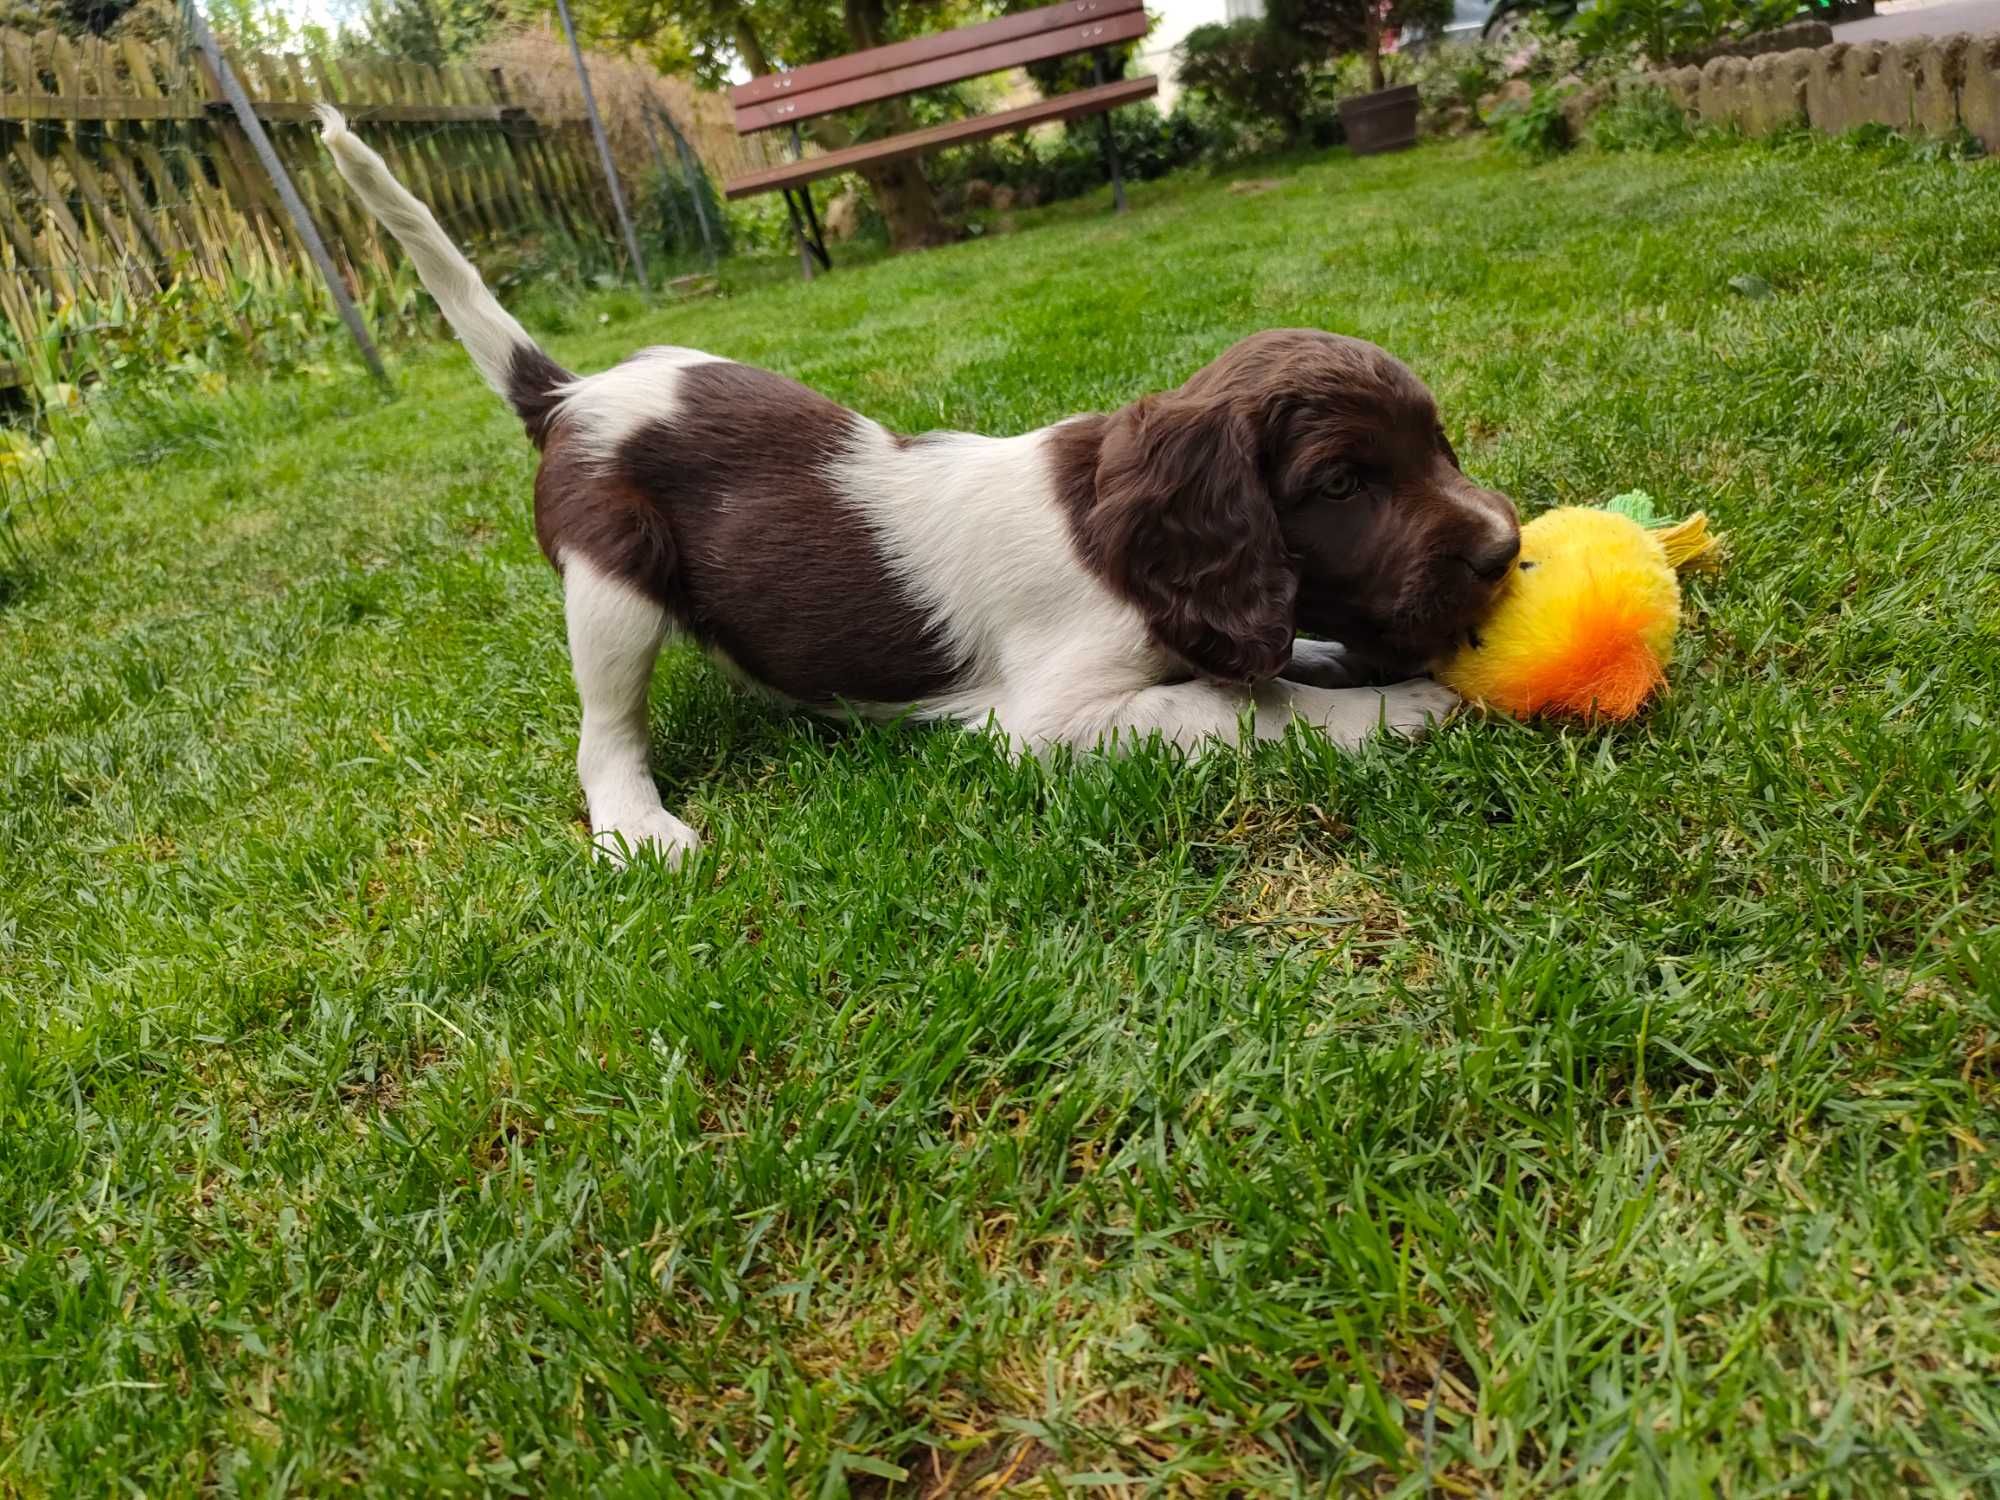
187,203
31,256
503,188
523,143
128,261
66,249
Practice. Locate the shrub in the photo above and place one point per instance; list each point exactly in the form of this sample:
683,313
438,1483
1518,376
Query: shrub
761,226
1039,169
1451,79
672,218
1538,129
1641,119
1459,74
1150,144
1257,78
1661,30
1278,77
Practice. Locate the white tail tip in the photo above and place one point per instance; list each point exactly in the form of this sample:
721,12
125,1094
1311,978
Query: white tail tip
331,122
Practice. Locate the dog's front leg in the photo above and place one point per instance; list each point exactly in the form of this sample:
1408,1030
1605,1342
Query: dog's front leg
1195,715
614,636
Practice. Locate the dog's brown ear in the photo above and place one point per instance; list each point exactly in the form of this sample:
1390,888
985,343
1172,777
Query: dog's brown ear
1184,527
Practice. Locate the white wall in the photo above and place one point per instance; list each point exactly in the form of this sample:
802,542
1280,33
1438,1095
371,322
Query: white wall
1174,19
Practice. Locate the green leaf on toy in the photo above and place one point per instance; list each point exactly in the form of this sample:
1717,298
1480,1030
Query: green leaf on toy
1635,504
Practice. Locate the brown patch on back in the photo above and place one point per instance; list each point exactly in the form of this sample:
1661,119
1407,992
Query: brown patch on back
726,513
606,518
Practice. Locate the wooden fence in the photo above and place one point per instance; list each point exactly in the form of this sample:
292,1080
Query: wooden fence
121,169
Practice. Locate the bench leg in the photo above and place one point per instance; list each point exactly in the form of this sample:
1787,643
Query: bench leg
812,246
812,243
814,236
799,234
1109,141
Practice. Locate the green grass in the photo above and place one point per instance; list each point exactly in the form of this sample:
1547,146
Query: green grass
1611,1112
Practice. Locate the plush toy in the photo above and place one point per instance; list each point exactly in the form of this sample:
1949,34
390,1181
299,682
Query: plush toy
1585,626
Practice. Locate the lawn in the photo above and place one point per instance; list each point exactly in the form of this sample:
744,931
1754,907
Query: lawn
1611,1111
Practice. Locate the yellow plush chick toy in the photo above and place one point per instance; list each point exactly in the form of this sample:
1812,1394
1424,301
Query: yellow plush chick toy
1585,626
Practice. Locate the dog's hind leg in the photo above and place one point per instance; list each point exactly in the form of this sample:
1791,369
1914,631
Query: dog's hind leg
614,636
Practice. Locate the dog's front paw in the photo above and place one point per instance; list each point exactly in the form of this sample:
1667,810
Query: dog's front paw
1410,708
658,835
1323,664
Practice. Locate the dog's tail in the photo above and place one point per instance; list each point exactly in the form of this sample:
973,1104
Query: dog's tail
513,364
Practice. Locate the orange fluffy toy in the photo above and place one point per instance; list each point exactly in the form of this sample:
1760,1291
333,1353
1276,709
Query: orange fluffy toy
1586,625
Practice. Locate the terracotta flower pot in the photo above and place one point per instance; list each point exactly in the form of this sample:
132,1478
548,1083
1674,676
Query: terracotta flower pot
1384,121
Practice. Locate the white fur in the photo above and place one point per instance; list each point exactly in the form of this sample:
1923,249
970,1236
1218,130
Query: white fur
614,636
487,329
1200,715
973,528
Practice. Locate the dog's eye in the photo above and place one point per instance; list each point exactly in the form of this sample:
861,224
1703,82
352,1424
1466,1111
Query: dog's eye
1341,482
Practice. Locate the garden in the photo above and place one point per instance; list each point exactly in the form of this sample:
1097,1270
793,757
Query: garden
1596,1109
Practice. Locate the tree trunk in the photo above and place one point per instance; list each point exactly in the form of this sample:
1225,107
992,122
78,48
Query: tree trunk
750,46
902,192
1375,75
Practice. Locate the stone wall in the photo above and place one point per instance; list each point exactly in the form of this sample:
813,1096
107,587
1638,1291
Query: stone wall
1923,86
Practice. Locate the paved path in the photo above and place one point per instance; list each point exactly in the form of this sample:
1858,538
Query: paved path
1976,16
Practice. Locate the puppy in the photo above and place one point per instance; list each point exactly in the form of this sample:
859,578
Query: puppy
1098,581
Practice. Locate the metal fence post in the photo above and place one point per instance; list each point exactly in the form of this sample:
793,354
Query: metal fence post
603,145
308,232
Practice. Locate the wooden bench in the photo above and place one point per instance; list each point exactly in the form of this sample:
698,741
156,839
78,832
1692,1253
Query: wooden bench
780,100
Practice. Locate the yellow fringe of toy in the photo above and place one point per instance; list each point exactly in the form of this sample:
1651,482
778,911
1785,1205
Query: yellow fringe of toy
1690,546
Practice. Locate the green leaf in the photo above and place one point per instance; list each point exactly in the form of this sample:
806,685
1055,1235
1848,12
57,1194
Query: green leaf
861,1463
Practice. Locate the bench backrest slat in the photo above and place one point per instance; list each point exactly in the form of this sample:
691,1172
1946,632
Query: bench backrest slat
931,61
1073,105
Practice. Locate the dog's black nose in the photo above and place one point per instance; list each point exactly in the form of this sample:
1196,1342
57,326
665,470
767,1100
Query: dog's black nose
1491,562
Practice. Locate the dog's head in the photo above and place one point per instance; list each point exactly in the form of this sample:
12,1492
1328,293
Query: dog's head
1302,481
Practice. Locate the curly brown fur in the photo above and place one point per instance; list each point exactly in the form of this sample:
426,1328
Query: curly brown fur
1301,481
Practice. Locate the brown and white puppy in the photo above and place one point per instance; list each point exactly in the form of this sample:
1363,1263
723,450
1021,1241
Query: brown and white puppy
1097,581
